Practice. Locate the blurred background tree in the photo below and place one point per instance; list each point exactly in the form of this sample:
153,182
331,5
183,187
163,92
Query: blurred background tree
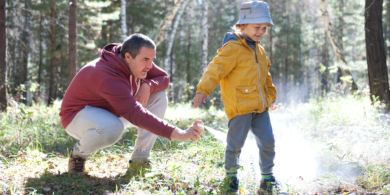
39,46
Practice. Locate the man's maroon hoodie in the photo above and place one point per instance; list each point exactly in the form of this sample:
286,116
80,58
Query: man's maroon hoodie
105,83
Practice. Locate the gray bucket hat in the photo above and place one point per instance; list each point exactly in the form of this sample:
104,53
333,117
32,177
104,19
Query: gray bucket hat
255,12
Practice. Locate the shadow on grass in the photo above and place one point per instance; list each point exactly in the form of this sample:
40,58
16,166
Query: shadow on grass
67,183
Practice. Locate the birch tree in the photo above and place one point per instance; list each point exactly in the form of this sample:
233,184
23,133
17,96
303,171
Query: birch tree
168,19
376,51
204,37
123,18
72,40
337,50
3,40
167,64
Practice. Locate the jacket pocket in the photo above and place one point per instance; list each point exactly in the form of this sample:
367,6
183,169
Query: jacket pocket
247,98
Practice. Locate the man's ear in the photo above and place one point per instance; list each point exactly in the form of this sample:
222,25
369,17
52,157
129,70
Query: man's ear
127,55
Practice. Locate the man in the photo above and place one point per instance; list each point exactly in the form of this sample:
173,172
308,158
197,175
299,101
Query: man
108,93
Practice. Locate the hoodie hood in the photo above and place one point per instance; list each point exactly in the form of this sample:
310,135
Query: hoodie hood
245,41
229,37
110,55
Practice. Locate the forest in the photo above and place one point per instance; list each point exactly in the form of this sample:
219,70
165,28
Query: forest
329,64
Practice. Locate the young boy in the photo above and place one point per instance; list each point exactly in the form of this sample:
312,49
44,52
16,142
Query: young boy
241,67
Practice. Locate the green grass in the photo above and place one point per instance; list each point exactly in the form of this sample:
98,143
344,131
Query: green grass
38,165
350,138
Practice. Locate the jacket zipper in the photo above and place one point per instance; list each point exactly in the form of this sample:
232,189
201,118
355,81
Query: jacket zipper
258,69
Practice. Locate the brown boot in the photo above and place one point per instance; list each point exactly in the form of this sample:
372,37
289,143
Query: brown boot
138,167
76,164
140,164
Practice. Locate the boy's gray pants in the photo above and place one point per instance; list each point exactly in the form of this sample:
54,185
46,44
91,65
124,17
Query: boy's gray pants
239,126
96,128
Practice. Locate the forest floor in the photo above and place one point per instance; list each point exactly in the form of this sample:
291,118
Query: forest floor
332,145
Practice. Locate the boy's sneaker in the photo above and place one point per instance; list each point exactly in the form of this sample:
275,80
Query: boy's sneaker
76,164
268,186
231,184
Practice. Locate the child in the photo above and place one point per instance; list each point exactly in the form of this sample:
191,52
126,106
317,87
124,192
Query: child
241,67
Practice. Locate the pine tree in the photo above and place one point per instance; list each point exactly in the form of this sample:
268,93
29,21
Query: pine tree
3,86
72,40
53,60
376,55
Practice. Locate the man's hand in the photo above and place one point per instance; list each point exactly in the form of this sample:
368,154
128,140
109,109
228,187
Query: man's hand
193,132
198,99
143,94
273,107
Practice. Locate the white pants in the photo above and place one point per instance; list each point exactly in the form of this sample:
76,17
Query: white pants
96,128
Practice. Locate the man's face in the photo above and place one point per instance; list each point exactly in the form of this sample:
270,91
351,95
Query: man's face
142,63
255,31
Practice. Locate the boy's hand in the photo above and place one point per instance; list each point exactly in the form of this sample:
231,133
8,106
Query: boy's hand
193,132
198,99
143,94
273,107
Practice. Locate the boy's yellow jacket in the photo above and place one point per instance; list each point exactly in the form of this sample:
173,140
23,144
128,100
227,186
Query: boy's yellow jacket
246,86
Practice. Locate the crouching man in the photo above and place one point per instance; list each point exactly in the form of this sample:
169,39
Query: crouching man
123,86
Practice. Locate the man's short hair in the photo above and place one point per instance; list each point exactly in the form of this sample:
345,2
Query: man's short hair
134,43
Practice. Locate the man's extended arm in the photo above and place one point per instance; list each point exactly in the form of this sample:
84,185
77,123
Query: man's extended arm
117,93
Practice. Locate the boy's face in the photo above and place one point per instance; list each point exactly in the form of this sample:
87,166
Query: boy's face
255,31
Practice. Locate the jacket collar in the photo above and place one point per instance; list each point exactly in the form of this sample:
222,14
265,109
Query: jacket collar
243,41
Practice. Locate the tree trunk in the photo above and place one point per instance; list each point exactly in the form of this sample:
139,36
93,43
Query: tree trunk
336,48
123,20
109,26
375,49
3,64
53,63
309,69
341,23
16,21
171,77
168,18
104,32
286,55
25,46
40,55
167,63
204,35
388,24
40,47
133,4
72,40
189,66
324,79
